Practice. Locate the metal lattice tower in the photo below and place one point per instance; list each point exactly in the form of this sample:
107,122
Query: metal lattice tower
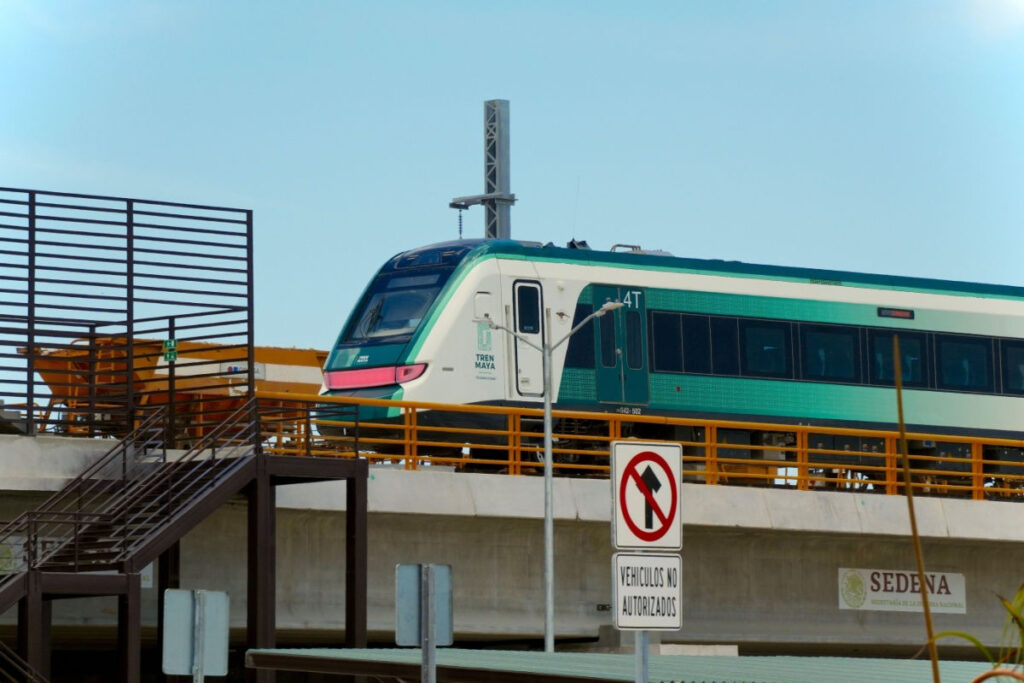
497,198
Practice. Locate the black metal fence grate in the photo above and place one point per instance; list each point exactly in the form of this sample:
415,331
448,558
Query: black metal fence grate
111,305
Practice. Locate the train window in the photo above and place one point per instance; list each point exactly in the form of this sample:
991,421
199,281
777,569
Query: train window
393,307
528,309
829,353
964,363
634,340
696,344
413,281
580,353
666,342
913,358
725,353
607,329
766,348
1013,367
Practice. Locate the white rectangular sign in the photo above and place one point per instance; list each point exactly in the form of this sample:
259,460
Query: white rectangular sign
894,590
646,495
647,591
195,640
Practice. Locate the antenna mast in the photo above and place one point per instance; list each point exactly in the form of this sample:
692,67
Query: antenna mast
497,198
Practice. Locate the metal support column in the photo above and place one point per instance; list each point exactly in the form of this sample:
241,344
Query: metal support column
30,341
355,560
129,629
168,576
497,198
46,637
261,587
34,626
129,282
497,223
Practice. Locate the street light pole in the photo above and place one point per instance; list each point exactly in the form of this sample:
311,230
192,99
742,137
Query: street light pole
549,497
549,520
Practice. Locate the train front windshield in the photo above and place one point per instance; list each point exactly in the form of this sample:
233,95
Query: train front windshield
394,306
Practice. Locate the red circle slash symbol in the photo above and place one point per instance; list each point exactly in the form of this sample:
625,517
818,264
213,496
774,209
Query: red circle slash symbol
648,483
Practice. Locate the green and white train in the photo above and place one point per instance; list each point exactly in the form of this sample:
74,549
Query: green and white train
694,338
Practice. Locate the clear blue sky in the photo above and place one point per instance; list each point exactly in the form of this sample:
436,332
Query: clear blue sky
880,136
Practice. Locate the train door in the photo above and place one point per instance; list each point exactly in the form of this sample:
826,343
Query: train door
622,346
528,313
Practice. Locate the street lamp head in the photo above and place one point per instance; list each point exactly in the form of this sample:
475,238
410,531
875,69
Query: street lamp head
486,318
609,306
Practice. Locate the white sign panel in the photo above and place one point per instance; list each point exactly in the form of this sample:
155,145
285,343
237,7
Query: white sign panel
646,486
195,638
894,590
647,591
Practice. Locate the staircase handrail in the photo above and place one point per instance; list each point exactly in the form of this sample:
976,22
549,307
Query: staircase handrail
88,488
88,483
22,669
226,441
47,531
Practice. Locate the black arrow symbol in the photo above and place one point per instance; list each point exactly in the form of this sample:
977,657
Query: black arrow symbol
650,479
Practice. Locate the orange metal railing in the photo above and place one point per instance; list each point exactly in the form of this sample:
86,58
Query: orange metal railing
715,452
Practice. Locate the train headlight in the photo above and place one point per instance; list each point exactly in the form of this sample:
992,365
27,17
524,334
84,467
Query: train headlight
407,373
365,378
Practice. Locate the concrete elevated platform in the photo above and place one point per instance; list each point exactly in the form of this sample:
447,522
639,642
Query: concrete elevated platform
760,566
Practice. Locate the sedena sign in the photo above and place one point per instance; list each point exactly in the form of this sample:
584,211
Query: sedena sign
894,590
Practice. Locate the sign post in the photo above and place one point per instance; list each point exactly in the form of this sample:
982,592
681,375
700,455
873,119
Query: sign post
647,587
423,611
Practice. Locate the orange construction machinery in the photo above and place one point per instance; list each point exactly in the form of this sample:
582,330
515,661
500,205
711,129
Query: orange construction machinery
94,384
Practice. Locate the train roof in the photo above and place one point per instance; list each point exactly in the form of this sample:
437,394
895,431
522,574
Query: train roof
469,250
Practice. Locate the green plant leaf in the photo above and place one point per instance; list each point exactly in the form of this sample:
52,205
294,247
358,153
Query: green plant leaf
1014,614
971,639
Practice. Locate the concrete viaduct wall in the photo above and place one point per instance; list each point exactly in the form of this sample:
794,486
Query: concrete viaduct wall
760,566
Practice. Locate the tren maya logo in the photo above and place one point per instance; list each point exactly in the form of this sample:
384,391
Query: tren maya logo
853,588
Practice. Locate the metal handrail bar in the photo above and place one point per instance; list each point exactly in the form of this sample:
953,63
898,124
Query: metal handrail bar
23,671
47,193
650,419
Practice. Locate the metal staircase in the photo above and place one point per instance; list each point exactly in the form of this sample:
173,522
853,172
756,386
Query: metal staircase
131,504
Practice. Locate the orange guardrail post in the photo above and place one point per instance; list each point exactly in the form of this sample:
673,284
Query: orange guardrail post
515,444
711,451
614,429
891,465
803,472
977,471
409,442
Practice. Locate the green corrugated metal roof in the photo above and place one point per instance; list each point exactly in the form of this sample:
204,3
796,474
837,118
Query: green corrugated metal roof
664,668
